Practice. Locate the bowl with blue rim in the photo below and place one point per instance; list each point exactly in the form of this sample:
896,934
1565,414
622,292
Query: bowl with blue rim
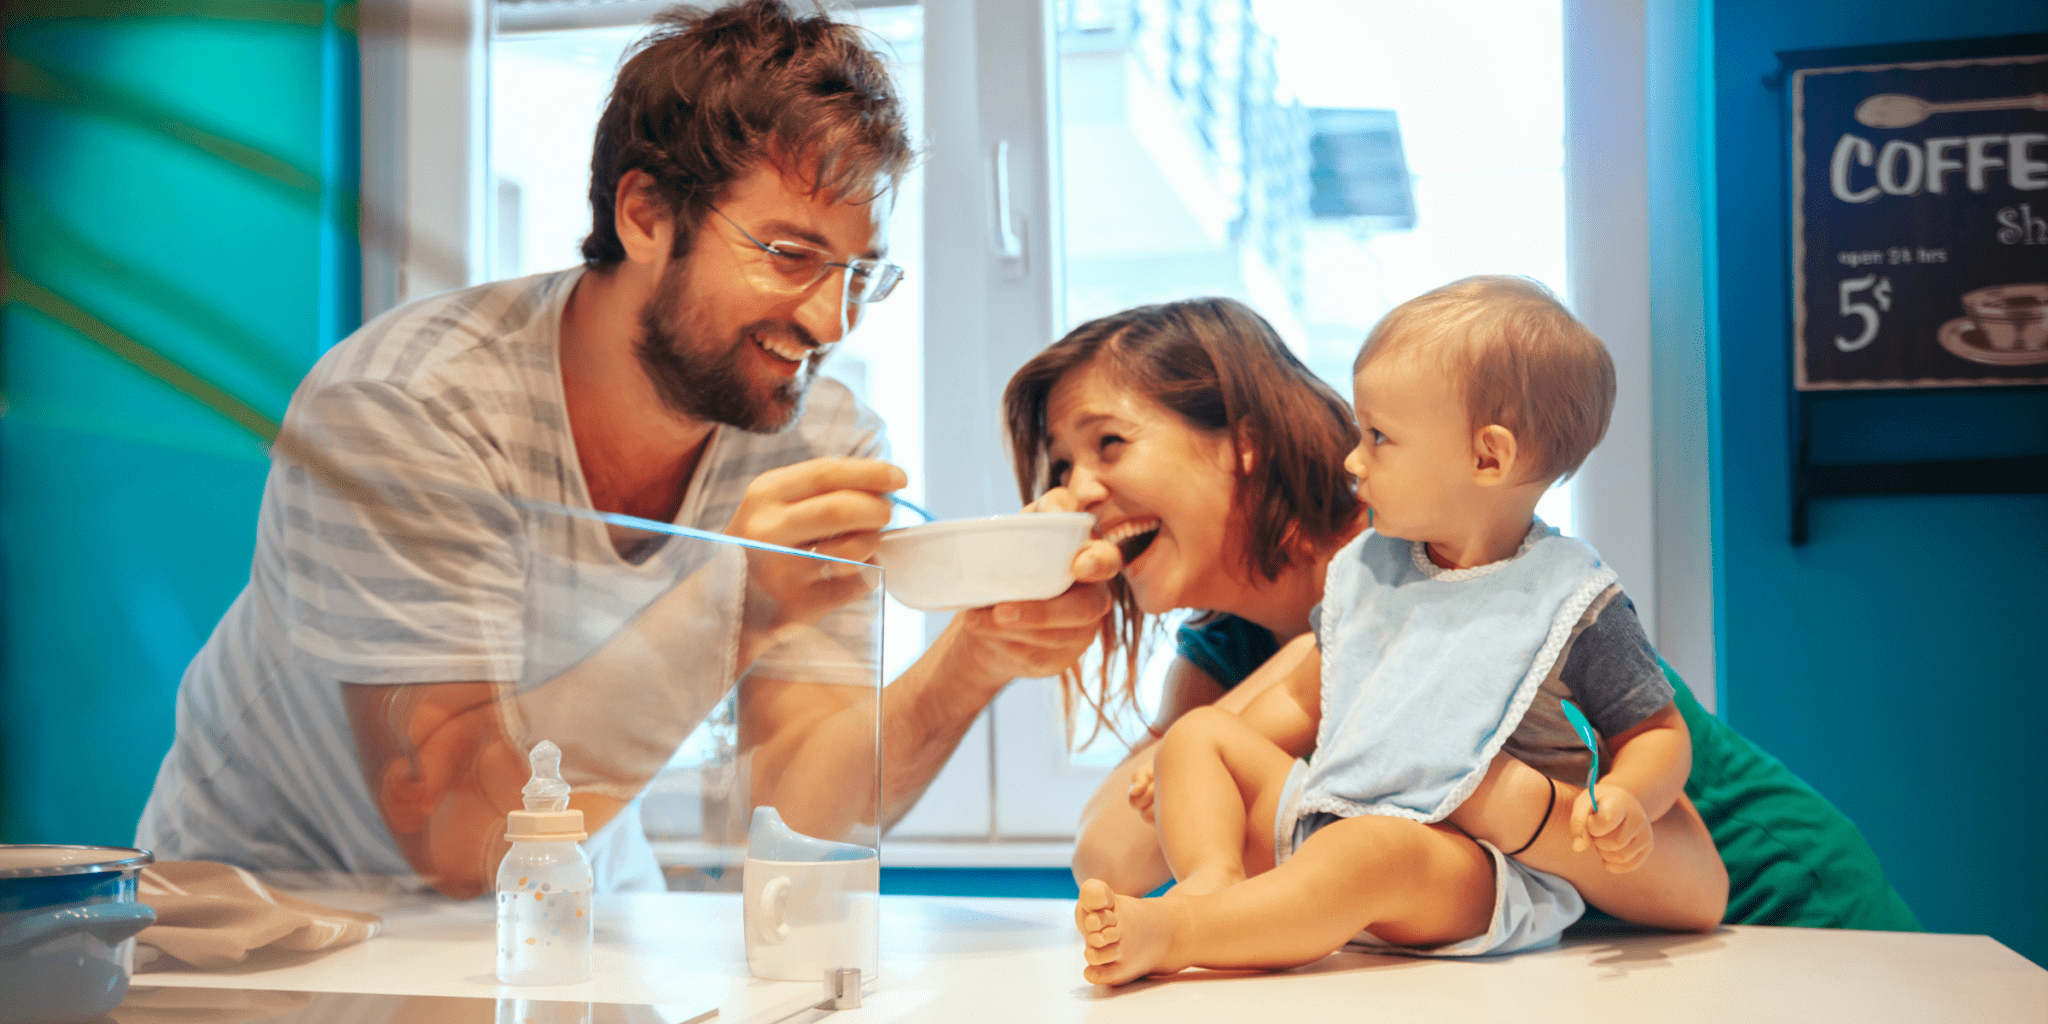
68,918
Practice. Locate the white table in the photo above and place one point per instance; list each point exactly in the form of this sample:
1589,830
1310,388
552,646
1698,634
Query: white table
1002,960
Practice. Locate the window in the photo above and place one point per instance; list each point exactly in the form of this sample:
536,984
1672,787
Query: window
1321,162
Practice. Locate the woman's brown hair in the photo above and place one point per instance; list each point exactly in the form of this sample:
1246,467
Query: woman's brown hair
707,95
1220,368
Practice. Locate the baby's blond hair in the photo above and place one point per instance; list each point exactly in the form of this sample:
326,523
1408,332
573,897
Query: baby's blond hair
1517,357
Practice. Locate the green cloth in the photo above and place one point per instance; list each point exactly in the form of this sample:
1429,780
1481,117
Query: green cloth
1793,859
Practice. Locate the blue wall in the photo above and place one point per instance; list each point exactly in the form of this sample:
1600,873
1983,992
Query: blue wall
1895,660
178,197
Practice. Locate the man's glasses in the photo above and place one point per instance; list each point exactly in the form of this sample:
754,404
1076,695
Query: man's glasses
791,267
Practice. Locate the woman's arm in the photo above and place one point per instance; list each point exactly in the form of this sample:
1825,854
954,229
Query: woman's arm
1115,844
1682,885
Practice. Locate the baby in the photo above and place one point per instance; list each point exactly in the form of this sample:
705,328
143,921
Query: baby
1444,637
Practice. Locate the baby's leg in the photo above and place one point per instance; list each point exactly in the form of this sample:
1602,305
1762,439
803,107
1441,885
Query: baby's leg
1682,886
1218,788
1410,883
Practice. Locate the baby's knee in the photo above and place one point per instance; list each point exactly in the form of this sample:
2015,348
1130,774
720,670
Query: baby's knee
1201,727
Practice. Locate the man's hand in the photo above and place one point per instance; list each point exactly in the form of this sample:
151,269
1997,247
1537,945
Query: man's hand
1619,830
1142,792
1098,559
834,507
1027,639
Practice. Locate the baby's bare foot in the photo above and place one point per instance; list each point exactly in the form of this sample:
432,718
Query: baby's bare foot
1127,937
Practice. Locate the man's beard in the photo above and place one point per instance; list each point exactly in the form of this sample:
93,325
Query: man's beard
708,385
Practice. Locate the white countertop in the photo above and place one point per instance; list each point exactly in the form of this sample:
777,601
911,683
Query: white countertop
1003,960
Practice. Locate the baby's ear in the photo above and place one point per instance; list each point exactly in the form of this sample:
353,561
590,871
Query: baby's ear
1493,455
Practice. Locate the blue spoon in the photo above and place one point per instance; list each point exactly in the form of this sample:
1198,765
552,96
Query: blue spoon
928,517
1585,731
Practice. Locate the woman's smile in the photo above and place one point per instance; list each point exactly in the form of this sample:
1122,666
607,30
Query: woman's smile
1152,483
1133,536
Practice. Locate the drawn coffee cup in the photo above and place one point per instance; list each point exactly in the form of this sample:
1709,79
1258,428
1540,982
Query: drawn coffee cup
2010,317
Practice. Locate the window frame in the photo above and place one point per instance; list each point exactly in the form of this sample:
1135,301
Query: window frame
990,91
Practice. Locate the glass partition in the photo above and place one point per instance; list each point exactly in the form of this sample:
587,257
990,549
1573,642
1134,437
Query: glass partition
720,694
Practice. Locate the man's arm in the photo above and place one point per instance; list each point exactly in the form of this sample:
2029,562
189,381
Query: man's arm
813,742
443,773
443,770
444,762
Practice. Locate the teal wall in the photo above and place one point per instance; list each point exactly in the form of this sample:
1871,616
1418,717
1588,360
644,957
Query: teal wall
178,194
1895,660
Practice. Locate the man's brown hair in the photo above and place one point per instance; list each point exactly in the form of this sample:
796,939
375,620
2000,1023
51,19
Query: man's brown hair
1517,357
1223,370
707,95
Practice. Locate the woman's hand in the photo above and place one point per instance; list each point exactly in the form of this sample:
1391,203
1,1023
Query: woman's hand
1098,559
1029,639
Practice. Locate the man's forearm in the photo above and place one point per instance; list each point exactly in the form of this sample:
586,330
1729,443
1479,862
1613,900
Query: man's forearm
925,712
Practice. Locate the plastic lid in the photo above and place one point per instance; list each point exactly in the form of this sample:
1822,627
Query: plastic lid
769,838
547,817
37,861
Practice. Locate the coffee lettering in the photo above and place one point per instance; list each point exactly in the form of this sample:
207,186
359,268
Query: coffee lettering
1888,168
1903,168
1939,163
1850,147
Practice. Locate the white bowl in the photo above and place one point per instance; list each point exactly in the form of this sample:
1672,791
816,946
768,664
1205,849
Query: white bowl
972,563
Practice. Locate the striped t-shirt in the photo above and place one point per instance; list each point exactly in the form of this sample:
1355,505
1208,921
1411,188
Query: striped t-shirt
449,412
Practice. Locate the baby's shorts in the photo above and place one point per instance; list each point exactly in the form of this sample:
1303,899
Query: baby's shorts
1531,908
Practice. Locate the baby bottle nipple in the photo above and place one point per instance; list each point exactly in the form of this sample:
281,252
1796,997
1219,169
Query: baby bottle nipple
546,791
547,816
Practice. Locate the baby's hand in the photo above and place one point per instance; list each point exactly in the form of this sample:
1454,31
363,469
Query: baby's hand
1141,791
1620,829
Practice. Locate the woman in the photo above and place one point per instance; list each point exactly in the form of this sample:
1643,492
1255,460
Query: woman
1212,459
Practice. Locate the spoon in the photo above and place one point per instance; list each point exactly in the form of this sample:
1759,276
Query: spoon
906,503
1585,731
1894,110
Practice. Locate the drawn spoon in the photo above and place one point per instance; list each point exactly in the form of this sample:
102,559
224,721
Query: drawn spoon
1895,110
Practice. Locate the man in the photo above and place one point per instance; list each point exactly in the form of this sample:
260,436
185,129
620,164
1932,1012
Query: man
417,617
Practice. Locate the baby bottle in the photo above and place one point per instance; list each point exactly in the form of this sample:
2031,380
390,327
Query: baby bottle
544,884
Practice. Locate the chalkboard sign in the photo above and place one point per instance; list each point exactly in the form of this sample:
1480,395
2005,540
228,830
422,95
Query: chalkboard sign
1920,224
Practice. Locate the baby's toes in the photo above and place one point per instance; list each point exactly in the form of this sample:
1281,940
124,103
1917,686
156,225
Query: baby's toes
1104,936
1101,954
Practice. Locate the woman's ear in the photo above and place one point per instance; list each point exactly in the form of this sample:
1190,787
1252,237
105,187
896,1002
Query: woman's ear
1247,449
1494,451
646,230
